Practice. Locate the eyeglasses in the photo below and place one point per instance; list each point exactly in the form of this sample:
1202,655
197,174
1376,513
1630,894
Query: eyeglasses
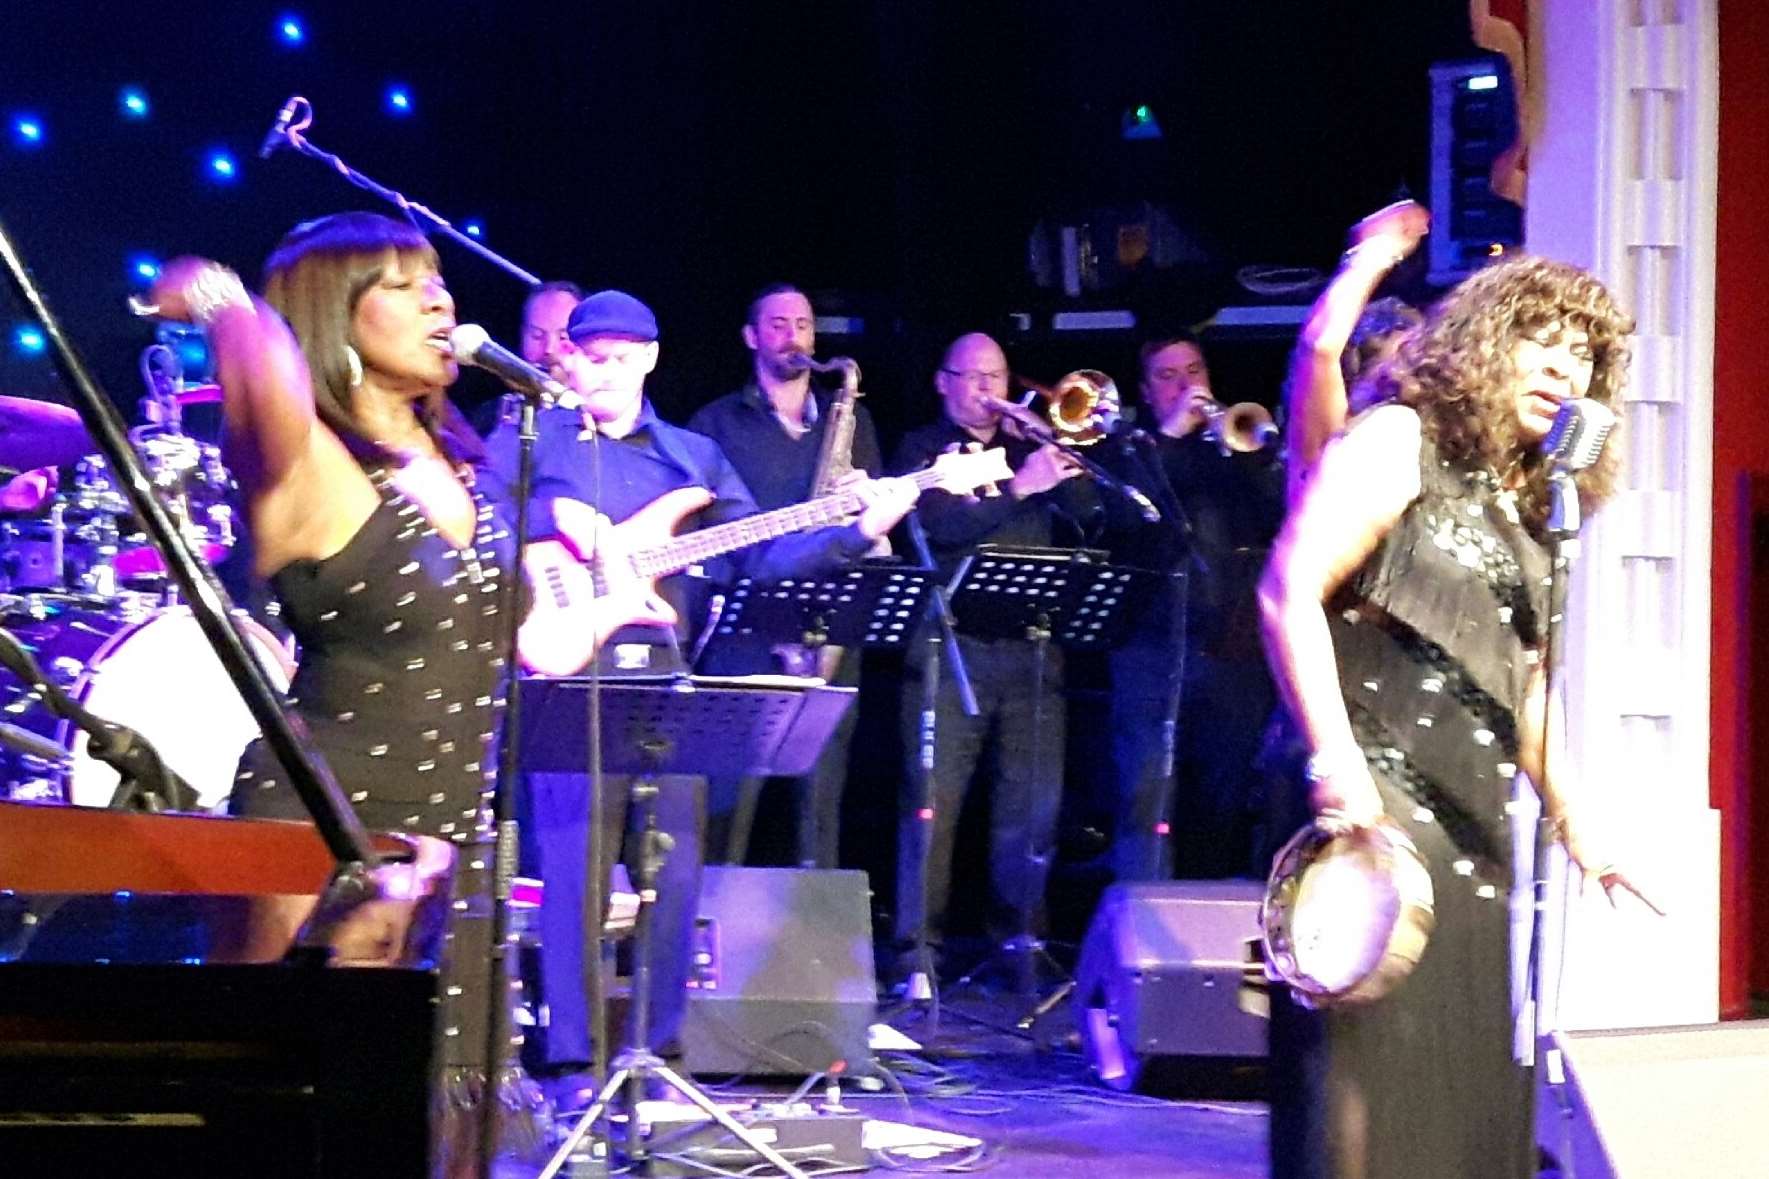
978,376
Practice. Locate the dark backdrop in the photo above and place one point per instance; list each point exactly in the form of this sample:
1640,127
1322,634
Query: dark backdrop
890,155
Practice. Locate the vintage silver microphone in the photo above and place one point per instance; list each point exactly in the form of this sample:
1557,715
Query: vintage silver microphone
1574,442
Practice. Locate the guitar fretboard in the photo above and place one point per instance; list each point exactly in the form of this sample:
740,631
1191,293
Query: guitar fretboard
677,554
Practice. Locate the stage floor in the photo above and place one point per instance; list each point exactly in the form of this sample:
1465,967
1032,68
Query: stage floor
1037,1111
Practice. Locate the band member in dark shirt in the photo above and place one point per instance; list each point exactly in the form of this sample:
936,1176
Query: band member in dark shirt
1190,673
773,430
1041,506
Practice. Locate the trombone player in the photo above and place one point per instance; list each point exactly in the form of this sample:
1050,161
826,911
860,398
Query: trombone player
1189,688
1044,505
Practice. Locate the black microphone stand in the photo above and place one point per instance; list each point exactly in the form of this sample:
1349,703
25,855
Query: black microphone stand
497,1023
1141,447
300,117
922,986
1563,538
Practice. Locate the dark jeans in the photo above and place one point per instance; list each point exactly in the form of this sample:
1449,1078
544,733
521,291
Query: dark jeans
1144,718
1213,802
1024,730
559,817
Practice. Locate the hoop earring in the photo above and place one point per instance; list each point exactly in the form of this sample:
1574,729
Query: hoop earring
353,363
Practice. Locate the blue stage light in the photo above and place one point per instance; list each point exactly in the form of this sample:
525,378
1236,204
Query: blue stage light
290,29
222,167
474,229
192,346
134,102
28,130
144,267
29,340
399,100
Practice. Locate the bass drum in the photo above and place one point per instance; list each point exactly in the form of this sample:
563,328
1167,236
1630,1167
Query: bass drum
153,672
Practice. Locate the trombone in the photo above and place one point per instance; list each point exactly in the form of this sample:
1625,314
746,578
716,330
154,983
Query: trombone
1080,409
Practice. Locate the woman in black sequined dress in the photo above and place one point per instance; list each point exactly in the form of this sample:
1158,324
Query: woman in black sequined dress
359,481
1404,611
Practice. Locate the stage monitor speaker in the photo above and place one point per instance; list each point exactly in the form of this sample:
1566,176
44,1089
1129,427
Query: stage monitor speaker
1656,1103
783,980
1159,987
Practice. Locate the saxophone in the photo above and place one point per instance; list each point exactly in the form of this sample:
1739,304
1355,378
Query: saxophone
835,461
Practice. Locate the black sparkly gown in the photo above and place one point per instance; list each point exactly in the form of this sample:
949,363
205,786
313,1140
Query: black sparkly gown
1436,638
398,683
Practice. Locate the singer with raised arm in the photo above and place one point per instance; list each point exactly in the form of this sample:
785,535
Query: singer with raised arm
1405,611
363,501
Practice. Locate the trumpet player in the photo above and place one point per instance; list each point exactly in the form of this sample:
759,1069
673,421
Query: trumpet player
1189,689
773,429
1043,505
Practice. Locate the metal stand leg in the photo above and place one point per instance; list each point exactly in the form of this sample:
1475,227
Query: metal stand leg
1025,953
637,1062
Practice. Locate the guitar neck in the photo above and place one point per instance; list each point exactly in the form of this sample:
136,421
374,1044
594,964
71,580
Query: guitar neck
680,552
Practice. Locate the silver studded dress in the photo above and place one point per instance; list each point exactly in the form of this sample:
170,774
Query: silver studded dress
398,684
1436,638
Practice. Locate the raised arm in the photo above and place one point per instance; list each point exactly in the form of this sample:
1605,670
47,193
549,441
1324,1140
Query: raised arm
1315,396
268,407
1367,477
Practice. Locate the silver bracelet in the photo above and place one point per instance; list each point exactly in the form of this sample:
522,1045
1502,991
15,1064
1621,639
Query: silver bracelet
214,289
1333,761
1389,258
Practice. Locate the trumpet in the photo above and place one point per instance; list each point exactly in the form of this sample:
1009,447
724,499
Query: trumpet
1240,428
1081,408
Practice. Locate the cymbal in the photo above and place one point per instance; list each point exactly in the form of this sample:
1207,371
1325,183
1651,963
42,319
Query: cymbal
40,434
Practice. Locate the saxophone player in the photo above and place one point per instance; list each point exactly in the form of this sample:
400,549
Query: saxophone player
775,430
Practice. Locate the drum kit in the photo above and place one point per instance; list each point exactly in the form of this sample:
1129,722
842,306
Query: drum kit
84,590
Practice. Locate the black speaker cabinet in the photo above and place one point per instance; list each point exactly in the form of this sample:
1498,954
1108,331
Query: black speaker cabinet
783,979
1160,978
1656,1103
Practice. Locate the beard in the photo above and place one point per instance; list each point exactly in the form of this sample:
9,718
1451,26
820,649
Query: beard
780,365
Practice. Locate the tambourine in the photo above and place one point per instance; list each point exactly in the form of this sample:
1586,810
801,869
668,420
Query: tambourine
1346,915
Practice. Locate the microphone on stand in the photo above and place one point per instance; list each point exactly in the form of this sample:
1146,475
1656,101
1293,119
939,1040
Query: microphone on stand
1575,440
279,131
1573,443
473,345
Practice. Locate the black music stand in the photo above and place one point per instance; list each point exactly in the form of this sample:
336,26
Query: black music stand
1068,596
879,604
876,604
671,725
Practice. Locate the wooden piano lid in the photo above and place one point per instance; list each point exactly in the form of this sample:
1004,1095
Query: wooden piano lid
72,849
